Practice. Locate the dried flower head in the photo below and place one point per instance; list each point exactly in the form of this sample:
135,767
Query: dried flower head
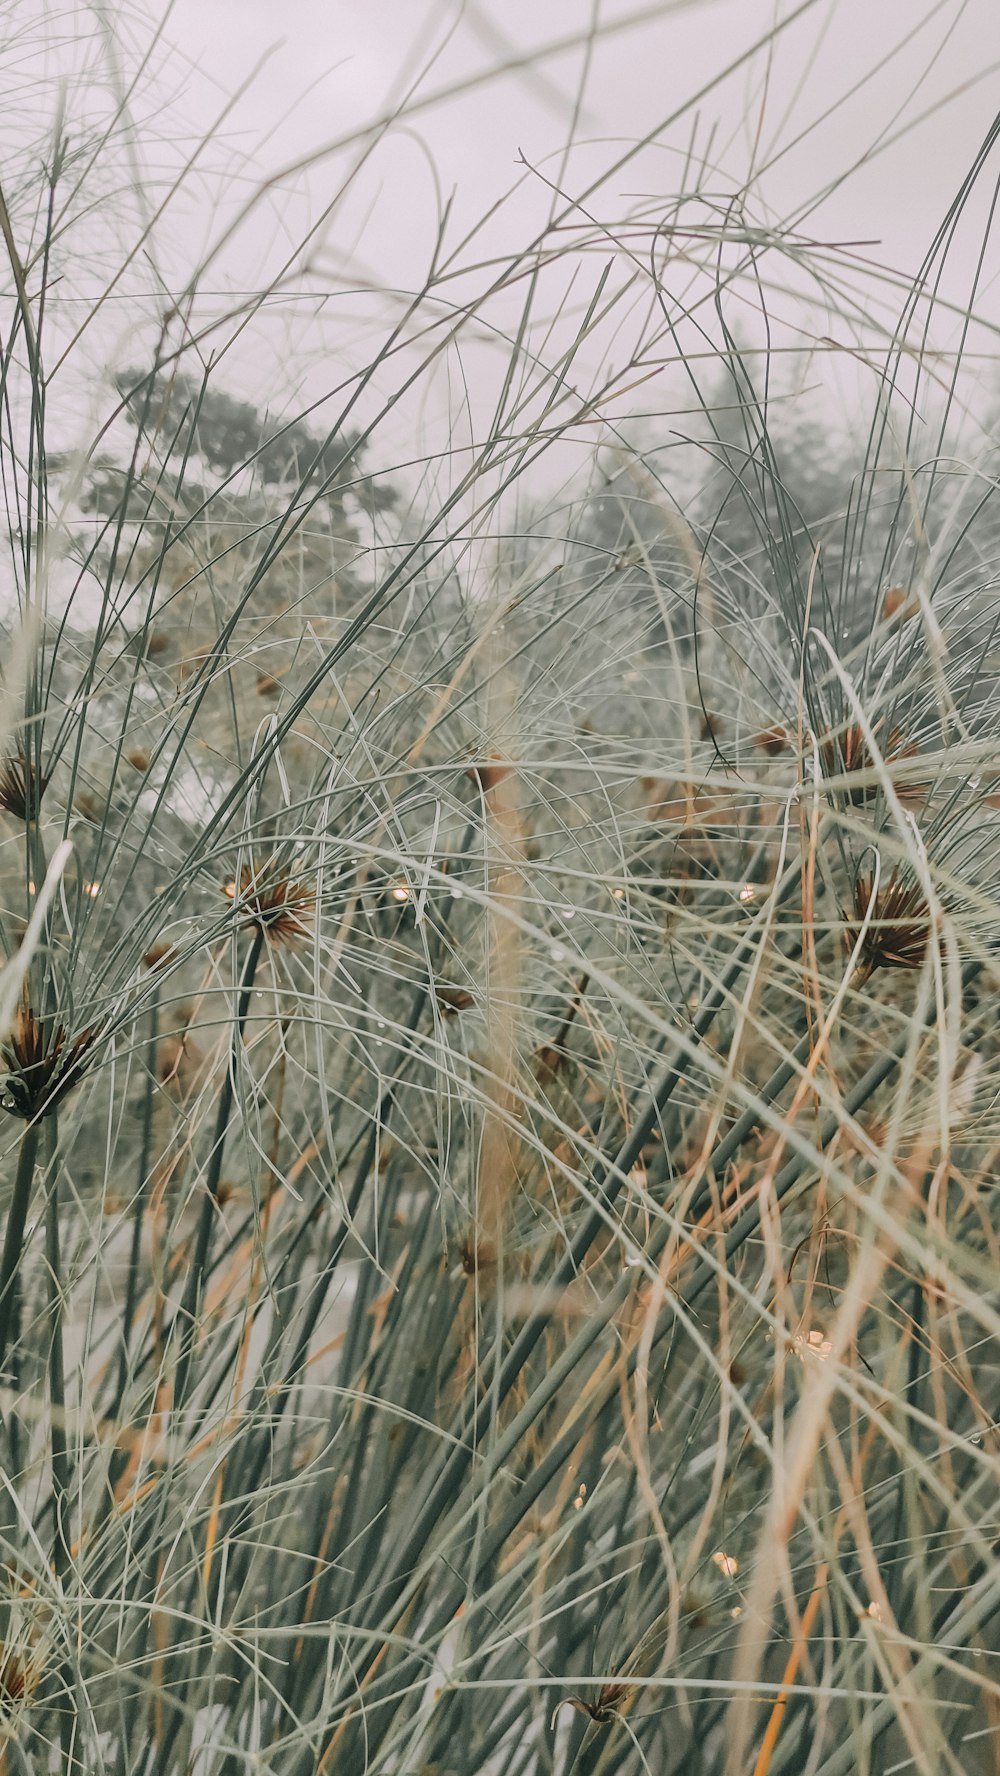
490,773
158,955
612,1700
90,806
42,1062
181,1066
899,927
773,740
899,602
477,1255
453,999
138,758
848,752
22,787
19,1674
274,899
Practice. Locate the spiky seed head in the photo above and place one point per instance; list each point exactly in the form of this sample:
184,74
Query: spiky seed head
19,1674
847,752
22,787
276,900
899,927
42,1063
612,1699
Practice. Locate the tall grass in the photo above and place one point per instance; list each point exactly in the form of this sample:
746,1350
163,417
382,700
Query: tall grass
499,1268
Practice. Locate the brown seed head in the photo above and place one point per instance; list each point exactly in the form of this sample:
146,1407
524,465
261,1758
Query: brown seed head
181,1065
138,758
612,1699
267,684
21,787
159,955
19,1674
848,751
453,999
490,773
275,900
899,929
898,602
477,1255
772,740
42,1064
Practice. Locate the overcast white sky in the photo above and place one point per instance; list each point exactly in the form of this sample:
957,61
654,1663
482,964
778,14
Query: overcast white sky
894,94
902,90
331,67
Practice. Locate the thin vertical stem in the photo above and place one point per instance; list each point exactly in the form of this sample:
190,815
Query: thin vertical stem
57,1373
63,1681
139,1212
188,1311
14,1233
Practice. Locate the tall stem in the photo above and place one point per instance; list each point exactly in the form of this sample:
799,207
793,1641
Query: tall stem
63,1685
187,1314
57,1374
139,1212
14,1233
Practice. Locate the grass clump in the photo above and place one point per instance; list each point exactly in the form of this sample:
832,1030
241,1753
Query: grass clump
499,1262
